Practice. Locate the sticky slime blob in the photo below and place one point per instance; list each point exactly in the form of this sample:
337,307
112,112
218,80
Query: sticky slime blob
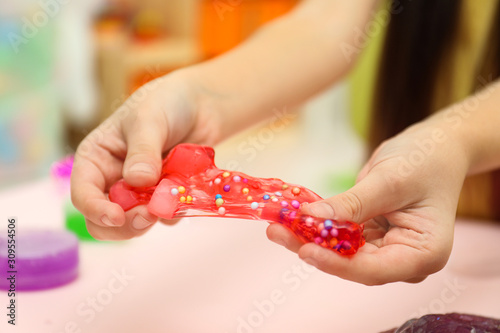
191,185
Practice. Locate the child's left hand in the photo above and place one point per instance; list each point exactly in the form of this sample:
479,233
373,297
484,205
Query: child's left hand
407,196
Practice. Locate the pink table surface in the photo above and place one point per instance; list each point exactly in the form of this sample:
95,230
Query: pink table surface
223,275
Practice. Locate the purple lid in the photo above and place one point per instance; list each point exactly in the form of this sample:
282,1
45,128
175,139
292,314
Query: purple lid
43,260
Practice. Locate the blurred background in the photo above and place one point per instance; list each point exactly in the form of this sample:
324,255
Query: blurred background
67,65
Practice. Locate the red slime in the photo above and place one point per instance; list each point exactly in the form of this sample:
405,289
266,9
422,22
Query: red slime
191,185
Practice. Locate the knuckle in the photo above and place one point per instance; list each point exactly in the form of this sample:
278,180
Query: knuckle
107,233
75,201
351,202
395,181
94,232
141,149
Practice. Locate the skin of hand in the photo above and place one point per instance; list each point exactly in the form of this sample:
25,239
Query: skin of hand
407,196
208,102
131,144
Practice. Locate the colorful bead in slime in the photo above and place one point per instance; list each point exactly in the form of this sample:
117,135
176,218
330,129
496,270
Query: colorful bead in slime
191,185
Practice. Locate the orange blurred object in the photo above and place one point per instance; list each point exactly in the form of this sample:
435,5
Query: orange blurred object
143,77
148,25
226,23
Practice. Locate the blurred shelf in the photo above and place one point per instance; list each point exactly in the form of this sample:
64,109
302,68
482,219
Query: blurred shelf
166,52
124,64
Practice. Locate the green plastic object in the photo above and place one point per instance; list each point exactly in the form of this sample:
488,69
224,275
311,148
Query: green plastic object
342,181
75,222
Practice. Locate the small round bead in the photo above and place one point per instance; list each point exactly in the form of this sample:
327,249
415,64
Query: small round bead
296,191
237,179
182,199
318,240
284,204
333,242
222,211
295,204
245,190
284,187
334,232
174,191
227,188
182,189
249,198
346,245
278,194
266,197
189,198
309,221
218,196
254,205
217,181
226,174
321,226
245,180
274,199
293,215
328,224
324,233
219,202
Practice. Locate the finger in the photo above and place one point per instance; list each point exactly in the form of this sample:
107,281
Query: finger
88,184
417,279
139,221
371,197
372,265
282,236
362,174
170,222
145,136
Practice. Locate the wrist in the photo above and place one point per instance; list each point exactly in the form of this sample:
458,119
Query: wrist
229,110
437,140
206,105
473,123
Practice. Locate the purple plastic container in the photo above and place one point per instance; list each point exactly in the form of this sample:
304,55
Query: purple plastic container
43,260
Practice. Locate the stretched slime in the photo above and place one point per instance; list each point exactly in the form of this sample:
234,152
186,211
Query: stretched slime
191,185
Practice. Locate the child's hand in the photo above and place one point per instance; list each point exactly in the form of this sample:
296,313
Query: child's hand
130,144
210,101
407,195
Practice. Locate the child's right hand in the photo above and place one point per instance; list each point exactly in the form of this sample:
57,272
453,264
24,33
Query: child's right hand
130,144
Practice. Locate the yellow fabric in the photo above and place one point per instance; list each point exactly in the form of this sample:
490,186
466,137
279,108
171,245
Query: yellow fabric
465,60
362,79
467,56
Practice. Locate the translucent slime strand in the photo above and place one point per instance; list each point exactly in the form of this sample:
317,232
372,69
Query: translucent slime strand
191,186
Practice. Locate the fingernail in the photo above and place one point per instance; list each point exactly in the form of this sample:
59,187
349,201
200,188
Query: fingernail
140,222
281,242
142,167
321,210
106,221
311,262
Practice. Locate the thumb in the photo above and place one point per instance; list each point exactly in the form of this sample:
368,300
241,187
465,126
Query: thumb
145,141
374,195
